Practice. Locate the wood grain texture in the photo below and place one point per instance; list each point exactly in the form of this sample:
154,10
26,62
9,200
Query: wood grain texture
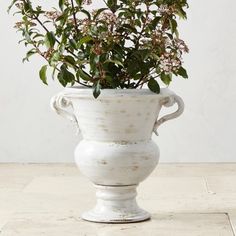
185,200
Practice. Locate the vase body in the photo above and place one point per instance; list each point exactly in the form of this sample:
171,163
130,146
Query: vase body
117,151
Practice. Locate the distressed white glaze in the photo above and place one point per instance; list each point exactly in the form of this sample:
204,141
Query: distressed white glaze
116,152
116,204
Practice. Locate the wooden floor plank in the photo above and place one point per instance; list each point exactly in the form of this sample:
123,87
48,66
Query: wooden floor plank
47,200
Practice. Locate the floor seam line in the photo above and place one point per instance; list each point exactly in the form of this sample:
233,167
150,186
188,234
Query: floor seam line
207,186
231,224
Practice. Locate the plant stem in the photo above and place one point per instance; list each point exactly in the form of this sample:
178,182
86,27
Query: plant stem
144,25
106,3
74,16
45,28
138,83
67,49
42,55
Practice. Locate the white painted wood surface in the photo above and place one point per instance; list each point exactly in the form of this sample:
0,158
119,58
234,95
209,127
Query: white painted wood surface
185,200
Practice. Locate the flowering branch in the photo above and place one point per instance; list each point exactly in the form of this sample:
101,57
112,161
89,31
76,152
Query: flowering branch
121,46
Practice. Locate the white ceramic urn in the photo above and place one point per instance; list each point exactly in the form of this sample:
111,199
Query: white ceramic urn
117,151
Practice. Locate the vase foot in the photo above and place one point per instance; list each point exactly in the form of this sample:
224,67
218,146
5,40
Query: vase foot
116,204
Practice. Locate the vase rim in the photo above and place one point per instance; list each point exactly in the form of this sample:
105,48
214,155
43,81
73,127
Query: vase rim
80,91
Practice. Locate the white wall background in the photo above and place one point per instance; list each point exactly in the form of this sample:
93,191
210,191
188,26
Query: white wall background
31,132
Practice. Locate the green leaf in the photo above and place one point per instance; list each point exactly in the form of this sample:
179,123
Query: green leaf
73,44
29,54
112,71
50,39
166,78
83,75
155,22
142,54
55,57
27,6
86,13
79,2
153,85
96,89
113,81
65,76
85,39
130,28
99,11
42,74
118,50
61,4
70,60
94,59
182,14
54,72
133,67
119,63
61,79
11,5
173,25
182,72
112,4
138,23
63,17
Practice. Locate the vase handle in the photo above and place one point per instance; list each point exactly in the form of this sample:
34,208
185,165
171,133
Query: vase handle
59,103
169,101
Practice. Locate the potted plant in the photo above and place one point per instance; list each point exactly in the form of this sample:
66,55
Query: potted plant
111,61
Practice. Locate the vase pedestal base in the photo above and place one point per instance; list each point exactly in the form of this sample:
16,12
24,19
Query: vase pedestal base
116,204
